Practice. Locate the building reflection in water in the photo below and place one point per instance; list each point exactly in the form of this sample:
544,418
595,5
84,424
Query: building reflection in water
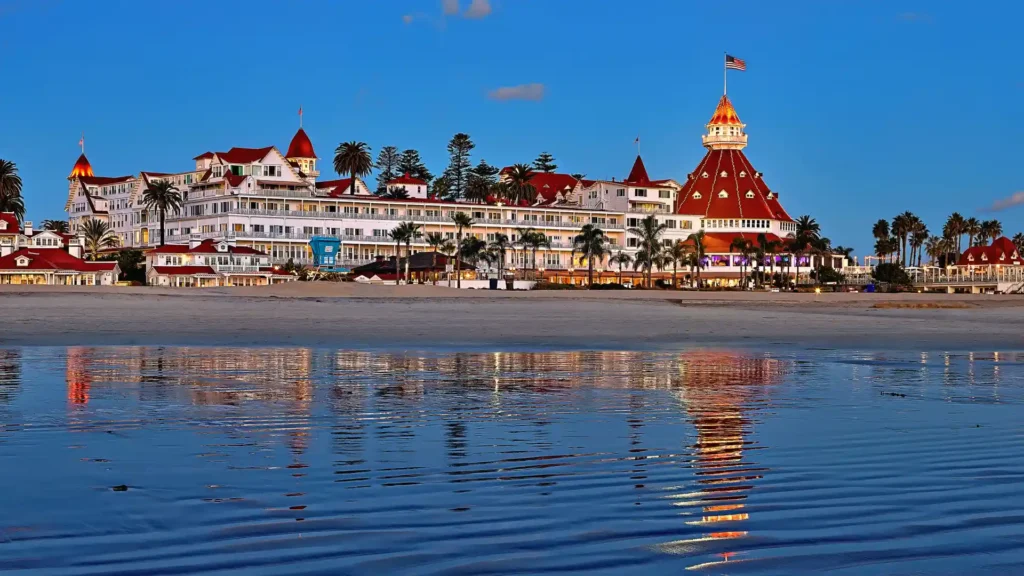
10,374
721,392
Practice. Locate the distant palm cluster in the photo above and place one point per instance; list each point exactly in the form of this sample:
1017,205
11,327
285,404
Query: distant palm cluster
907,239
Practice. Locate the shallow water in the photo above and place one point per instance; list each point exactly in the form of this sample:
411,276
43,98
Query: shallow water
297,461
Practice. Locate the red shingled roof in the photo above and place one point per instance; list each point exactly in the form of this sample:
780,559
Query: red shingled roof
244,155
11,223
300,147
204,155
730,172
548,184
52,259
1002,252
209,246
234,180
406,179
638,175
183,270
104,180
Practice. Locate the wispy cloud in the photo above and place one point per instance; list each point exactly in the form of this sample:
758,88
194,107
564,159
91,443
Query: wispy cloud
534,91
1015,199
478,9
450,7
920,17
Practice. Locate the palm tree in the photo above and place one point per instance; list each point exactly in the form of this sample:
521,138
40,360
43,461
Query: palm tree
649,233
1018,241
448,249
500,245
917,239
435,240
10,190
519,188
676,254
971,227
880,230
477,190
162,196
353,158
398,234
622,259
461,221
698,249
533,240
60,226
847,253
411,232
954,228
590,244
742,247
807,227
770,248
990,230
472,249
98,236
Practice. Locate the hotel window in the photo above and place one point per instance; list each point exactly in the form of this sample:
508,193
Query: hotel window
276,229
271,170
640,193
449,235
239,227
552,260
490,237
331,208
307,229
593,194
237,170
620,192
478,215
664,194
349,210
391,211
632,242
413,212
670,223
750,194
723,194
686,225
696,195
380,233
258,228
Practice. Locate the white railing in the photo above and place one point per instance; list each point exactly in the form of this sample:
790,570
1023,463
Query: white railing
397,217
234,268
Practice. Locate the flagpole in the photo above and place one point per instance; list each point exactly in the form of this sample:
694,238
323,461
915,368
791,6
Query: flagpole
725,74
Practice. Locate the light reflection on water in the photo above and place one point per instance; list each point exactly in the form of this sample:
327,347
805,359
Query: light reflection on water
300,461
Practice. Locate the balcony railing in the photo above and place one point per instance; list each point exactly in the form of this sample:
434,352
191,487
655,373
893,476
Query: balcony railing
419,218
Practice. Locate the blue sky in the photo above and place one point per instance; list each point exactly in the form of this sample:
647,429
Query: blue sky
855,110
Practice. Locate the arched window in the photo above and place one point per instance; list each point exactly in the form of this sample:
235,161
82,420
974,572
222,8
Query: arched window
723,194
750,194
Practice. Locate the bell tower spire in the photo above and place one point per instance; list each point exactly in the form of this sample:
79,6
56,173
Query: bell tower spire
725,130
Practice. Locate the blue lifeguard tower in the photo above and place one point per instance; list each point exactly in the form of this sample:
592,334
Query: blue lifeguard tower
326,253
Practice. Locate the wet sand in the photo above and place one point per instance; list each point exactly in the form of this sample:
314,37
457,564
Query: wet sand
427,317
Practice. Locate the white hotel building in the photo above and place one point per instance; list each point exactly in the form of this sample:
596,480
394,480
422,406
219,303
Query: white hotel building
275,203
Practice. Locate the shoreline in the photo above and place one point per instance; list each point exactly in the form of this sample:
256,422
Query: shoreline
438,318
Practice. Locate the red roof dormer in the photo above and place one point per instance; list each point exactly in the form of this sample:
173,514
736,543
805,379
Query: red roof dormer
301,146
406,179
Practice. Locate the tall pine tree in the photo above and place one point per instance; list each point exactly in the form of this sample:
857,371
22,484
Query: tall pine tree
387,163
485,172
545,163
457,172
410,163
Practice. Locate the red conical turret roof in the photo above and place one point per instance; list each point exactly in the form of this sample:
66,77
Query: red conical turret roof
725,114
638,175
301,147
82,167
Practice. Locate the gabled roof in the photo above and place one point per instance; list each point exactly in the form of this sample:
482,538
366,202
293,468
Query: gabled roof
204,155
244,155
52,259
301,146
725,185
9,223
725,114
1002,252
81,168
549,184
209,246
406,179
234,180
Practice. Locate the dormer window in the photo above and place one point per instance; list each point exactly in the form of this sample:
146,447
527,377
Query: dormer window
758,174
743,174
723,194
696,195
984,257
3,225
222,247
970,257
21,261
724,174
750,194
771,195
704,175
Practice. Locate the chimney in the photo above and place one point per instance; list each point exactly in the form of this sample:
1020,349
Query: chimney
77,246
28,227
194,241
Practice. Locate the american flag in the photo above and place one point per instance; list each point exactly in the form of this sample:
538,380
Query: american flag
733,63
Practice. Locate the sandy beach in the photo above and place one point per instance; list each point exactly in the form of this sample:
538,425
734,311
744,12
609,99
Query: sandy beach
428,317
